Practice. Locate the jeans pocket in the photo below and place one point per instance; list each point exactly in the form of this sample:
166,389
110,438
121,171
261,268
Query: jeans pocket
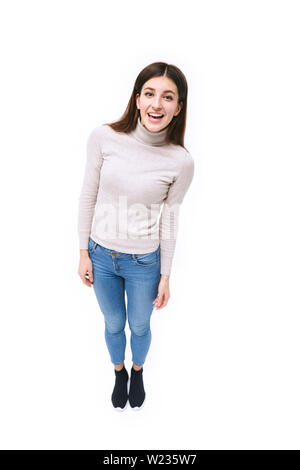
148,259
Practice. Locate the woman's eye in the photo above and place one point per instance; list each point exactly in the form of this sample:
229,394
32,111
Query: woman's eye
149,93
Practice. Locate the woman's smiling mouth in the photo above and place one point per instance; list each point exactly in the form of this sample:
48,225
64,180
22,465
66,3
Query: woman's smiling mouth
155,117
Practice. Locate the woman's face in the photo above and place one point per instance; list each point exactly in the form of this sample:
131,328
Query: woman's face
159,95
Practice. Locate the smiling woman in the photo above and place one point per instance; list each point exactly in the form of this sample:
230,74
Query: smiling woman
134,167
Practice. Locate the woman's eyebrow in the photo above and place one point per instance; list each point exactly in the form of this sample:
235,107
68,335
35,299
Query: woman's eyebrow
166,91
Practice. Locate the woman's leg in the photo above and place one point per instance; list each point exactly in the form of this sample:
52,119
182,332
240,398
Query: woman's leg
110,293
141,285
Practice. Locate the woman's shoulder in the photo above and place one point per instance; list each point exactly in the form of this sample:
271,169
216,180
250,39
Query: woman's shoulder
101,130
182,155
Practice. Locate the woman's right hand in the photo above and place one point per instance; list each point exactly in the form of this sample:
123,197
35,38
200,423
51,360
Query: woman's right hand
85,269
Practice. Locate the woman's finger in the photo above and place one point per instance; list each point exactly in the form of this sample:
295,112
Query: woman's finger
159,301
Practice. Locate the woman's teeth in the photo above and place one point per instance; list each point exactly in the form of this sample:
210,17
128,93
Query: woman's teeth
155,116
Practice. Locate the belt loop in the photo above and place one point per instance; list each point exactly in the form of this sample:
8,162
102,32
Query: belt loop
94,246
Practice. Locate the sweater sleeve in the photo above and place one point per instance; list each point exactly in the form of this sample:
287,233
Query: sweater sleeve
89,190
168,224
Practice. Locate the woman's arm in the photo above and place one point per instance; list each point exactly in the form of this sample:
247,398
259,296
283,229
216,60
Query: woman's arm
168,224
89,191
168,227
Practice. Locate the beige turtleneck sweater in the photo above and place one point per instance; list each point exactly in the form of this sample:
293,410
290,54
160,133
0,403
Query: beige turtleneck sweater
128,178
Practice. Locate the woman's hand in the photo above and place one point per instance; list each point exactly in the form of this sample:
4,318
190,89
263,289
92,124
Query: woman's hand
85,269
163,293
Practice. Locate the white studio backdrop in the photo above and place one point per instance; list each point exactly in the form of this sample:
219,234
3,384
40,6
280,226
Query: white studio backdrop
222,369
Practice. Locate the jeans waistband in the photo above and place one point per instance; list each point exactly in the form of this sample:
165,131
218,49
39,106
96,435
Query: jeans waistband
114,252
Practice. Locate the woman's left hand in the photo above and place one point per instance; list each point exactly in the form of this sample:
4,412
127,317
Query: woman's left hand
163,294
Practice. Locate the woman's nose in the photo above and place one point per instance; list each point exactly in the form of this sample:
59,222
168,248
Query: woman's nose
156,103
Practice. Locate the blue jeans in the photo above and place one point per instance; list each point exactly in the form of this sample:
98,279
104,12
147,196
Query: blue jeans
138,275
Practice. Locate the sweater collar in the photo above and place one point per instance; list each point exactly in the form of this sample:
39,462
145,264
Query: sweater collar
145,136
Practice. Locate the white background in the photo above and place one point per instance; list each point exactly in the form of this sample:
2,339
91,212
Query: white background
222,371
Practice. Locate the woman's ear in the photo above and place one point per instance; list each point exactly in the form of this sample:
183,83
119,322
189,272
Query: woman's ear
179,108
137,100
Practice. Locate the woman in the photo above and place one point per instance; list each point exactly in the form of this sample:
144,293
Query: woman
134,167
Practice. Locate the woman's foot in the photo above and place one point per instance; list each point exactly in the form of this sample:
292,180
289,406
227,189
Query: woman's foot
136,390
119,395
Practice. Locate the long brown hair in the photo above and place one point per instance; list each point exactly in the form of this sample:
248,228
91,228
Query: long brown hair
176,128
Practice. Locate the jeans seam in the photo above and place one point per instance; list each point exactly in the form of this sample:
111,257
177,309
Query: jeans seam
94,245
